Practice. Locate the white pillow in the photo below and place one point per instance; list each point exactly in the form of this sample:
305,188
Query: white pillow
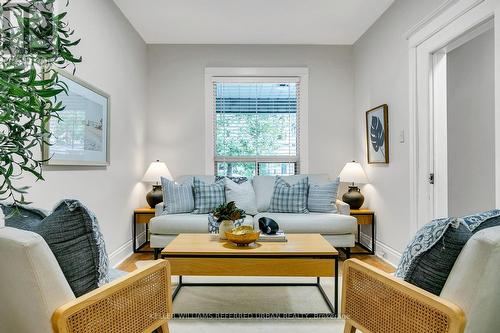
242,194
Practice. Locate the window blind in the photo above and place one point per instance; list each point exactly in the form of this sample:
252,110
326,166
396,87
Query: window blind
256,125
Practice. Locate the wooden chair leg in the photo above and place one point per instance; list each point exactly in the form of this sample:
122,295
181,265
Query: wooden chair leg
348,328
163,328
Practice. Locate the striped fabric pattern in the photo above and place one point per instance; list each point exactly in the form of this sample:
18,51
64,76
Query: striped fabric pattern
177,198
207,196
322,197
289,198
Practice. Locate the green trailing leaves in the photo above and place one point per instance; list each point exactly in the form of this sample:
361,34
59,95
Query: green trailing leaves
34,42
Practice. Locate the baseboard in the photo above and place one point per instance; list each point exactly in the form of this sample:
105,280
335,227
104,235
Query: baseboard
383,251
123,252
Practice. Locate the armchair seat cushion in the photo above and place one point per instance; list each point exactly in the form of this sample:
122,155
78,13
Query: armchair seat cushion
323,223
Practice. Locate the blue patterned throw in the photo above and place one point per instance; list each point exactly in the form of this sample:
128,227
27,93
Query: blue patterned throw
433,232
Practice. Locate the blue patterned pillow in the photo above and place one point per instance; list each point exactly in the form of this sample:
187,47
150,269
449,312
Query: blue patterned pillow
72,233
177,198
431,269
322,198
207,197
289,198
237,180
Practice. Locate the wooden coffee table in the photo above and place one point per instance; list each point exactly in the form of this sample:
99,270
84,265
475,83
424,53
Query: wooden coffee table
304,255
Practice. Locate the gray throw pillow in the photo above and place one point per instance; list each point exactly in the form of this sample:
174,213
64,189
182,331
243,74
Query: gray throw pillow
177,198
72,233
322,198
289,198
207,196
431,269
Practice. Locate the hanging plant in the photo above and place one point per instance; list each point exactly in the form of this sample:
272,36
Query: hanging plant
34,42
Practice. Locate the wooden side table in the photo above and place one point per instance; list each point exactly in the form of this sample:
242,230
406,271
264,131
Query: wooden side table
142,216
364,217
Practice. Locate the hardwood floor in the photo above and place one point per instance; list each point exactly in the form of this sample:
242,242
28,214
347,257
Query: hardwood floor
129,264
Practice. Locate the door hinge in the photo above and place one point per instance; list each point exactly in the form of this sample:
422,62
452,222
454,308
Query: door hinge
431,178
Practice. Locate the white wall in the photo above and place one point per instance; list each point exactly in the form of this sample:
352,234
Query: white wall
114,60
176,117
381,76
471,126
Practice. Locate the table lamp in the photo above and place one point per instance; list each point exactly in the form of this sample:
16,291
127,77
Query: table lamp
353,173
155,171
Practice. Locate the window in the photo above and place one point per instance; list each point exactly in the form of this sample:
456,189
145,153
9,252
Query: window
256,126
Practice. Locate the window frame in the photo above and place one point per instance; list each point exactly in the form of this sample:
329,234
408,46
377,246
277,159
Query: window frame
220,73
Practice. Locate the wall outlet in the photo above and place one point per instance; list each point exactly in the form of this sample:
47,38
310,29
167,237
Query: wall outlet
402,136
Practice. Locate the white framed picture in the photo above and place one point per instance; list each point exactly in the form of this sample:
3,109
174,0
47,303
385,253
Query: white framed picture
377,134
81,135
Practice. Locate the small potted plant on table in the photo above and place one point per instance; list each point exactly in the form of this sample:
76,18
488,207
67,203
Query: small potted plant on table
227,216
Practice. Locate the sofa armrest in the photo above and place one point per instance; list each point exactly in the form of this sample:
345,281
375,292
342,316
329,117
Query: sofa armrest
138,302
374,301
343,208
159,209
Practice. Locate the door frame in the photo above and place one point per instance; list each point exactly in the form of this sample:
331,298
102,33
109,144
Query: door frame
428,152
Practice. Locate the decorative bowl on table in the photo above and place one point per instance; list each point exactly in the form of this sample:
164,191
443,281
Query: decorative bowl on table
243,235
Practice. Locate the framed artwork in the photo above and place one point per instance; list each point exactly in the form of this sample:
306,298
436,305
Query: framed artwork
377,134
81,136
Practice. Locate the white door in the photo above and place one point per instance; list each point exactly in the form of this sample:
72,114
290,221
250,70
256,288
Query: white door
462,131
430,45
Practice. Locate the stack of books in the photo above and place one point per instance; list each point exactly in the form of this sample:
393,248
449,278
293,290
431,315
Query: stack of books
278,237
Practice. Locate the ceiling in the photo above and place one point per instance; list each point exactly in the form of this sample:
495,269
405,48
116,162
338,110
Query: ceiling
252,21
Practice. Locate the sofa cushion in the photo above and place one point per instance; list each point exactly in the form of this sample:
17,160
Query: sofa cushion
183,223
177,198
188,178
323,223
207,197
289,198
264,186
242,194
321,198
72,233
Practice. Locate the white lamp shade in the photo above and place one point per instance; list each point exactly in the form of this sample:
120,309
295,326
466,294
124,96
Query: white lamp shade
155,171
353,173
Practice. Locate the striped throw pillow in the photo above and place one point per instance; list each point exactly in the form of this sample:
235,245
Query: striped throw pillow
207,196
289,198
322,197
177,198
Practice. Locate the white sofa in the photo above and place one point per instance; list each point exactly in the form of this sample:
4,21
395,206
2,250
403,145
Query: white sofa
338,228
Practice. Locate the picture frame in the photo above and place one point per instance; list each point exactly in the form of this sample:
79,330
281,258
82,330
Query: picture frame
377,134
81,137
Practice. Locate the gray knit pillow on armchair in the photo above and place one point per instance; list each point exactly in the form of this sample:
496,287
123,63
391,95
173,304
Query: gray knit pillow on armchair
72,233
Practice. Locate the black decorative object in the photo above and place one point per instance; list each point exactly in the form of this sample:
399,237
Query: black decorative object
353,197
377,134
268,226
155,196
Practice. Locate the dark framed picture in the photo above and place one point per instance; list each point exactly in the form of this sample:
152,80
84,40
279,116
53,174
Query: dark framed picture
377,134
81,135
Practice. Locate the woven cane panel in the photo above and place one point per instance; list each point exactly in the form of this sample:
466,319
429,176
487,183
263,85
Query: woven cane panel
383,309
129,310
